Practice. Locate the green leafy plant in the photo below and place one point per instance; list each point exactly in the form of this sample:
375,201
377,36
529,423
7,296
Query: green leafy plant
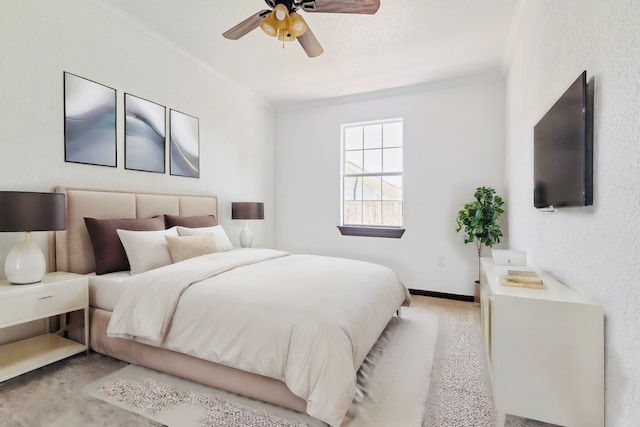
478,220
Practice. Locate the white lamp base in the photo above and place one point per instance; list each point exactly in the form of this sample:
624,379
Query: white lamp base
25,263
246,239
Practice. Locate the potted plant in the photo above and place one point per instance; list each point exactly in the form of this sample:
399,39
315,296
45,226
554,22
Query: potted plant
478,221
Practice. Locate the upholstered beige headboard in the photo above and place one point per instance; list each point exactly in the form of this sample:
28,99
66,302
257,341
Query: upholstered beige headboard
71,250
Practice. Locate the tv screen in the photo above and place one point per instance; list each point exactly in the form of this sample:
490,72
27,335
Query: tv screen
563,148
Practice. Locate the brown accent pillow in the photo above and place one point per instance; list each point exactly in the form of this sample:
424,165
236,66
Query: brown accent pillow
190,221
107,248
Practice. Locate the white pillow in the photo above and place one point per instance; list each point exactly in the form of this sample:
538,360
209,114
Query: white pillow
222,240
146,250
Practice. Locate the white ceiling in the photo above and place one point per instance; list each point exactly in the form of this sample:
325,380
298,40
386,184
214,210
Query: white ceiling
407,42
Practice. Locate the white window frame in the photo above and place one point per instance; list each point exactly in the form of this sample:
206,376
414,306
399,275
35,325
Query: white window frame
365,229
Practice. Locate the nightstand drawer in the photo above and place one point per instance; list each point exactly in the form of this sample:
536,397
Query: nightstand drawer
41,304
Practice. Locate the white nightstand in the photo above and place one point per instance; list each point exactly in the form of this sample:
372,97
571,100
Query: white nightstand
58,294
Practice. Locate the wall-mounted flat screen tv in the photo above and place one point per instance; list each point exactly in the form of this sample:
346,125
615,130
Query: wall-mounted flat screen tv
563,150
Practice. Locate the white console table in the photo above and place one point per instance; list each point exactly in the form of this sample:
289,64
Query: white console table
545,349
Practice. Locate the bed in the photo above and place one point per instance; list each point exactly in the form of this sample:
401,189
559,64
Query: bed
286,329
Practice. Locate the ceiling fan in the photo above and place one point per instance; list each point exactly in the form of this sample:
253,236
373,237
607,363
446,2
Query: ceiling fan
283,21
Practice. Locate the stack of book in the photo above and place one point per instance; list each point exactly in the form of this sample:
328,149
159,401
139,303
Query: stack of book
522,279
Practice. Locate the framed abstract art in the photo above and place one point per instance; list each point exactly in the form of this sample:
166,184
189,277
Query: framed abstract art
89,122
185,145
144,135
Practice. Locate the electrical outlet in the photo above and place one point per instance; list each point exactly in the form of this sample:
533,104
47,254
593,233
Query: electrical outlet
442,261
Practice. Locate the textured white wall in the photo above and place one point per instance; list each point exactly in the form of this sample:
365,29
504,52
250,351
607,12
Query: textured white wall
454,142
39,40
594,249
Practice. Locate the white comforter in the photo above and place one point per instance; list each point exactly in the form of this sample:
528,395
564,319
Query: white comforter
306,320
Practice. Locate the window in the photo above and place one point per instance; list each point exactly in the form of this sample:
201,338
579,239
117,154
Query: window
372,179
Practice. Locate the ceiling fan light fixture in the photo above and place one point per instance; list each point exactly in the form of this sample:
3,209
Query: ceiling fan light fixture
297,24
269,26
282,21
280,16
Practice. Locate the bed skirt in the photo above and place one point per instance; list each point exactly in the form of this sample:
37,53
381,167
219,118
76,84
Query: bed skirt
189,367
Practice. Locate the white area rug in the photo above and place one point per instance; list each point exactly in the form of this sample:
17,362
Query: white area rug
393,386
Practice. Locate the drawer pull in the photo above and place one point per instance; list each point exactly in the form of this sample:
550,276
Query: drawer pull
48,296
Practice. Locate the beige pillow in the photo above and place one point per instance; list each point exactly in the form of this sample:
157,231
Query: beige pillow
185,247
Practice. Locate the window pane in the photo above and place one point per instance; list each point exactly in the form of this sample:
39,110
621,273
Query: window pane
392,188
373,161
353,162
372,212
392,160
373,136
392,134
353,138
372,188
352,188
372,194
352,212
392,213
392,204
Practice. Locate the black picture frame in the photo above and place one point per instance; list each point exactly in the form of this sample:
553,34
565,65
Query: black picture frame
185,144
89,122
144,135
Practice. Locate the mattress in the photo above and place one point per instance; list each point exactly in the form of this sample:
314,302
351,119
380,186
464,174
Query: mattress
104,290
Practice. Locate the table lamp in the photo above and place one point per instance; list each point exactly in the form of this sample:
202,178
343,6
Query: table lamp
29,211
246,211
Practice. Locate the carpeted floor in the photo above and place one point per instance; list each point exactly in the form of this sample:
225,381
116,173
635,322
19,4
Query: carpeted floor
391,391
459,393
52,396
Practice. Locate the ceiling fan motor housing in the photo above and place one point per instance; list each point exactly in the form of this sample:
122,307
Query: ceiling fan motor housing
293,5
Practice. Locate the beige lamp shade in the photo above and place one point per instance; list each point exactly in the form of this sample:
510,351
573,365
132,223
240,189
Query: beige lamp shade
281,16
268,25
297,25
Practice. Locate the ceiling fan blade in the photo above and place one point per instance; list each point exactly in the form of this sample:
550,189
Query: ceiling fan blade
249,24
310,44
341,6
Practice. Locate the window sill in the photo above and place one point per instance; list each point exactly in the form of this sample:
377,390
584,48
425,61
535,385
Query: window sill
388,232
